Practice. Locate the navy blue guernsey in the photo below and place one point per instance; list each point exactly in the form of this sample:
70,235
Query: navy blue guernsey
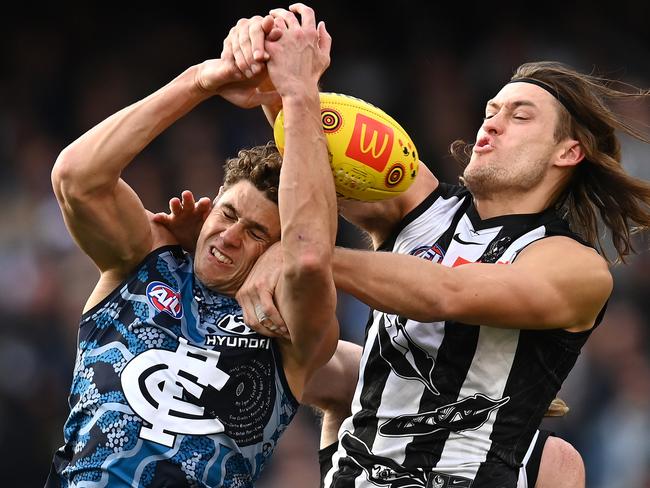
170,388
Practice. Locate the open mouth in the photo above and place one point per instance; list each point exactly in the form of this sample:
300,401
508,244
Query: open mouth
219,256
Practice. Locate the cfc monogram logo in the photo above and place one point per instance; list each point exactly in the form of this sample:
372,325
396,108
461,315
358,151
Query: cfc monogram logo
157,382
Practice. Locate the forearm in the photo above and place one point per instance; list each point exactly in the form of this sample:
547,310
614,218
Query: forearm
96,160
271,112
307,206
307,197
393,283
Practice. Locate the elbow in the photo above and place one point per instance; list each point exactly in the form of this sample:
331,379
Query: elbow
440,302
71,181
63,175
313,265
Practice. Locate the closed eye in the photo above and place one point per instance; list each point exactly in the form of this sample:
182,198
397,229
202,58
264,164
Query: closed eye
229,215
257,235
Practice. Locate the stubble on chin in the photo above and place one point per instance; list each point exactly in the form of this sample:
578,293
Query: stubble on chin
486,181
483,181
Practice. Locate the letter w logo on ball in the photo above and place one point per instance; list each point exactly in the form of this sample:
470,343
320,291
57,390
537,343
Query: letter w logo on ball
371,143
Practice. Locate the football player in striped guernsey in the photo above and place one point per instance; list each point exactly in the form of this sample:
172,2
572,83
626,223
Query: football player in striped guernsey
485,291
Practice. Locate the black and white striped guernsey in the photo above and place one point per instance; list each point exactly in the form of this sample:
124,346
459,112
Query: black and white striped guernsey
446,404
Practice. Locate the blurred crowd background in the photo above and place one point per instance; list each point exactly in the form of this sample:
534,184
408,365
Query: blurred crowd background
64,69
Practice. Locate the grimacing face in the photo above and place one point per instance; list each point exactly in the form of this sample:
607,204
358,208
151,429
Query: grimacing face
242,224
515,144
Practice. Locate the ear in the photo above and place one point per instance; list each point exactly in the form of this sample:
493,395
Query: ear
570,153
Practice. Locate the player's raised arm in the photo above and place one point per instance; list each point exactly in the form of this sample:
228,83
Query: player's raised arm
103,214
305,293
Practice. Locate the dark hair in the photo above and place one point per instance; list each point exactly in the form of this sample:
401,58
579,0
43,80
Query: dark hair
599,189
260,165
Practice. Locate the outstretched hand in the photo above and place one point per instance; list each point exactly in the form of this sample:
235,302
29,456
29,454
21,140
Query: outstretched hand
185,218
245,44
294,50
301,54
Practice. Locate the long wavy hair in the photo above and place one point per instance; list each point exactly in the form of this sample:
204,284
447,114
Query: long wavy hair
599,193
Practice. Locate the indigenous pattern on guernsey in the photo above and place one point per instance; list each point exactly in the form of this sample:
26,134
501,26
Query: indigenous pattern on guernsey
171,388
447,404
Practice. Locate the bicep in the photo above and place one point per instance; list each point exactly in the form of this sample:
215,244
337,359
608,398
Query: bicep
380,218
111,227
553,284
332,385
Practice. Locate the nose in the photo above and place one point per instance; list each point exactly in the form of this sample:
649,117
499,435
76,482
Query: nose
232,236
493,125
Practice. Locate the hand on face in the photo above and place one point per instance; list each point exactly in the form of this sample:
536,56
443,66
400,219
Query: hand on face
256,295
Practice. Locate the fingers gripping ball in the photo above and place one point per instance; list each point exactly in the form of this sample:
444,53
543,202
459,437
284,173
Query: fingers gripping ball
372,157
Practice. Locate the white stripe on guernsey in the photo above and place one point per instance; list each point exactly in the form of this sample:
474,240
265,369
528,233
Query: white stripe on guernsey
104,479
356,399
372,337
402,396
327,481
488,375
430,225
522,482
511,253
398,397
126,354
490,366
103,408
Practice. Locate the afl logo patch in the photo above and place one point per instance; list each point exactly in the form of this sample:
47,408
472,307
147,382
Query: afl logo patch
431,253
165,299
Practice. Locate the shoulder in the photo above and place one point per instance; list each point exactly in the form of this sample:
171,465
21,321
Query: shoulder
564,255
172,258
564,249
575,271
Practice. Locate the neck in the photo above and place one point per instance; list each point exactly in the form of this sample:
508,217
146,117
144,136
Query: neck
512,202
488,207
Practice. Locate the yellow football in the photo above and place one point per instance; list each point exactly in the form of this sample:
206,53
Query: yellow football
372,157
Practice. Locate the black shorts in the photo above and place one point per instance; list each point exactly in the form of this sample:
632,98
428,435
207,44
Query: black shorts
531,465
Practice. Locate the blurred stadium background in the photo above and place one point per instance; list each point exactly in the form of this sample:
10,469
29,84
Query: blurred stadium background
66,68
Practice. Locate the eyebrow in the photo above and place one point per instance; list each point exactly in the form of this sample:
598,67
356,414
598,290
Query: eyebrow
249,223
512,105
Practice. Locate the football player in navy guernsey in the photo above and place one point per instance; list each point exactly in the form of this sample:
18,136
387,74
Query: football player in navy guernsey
486,291
170,387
